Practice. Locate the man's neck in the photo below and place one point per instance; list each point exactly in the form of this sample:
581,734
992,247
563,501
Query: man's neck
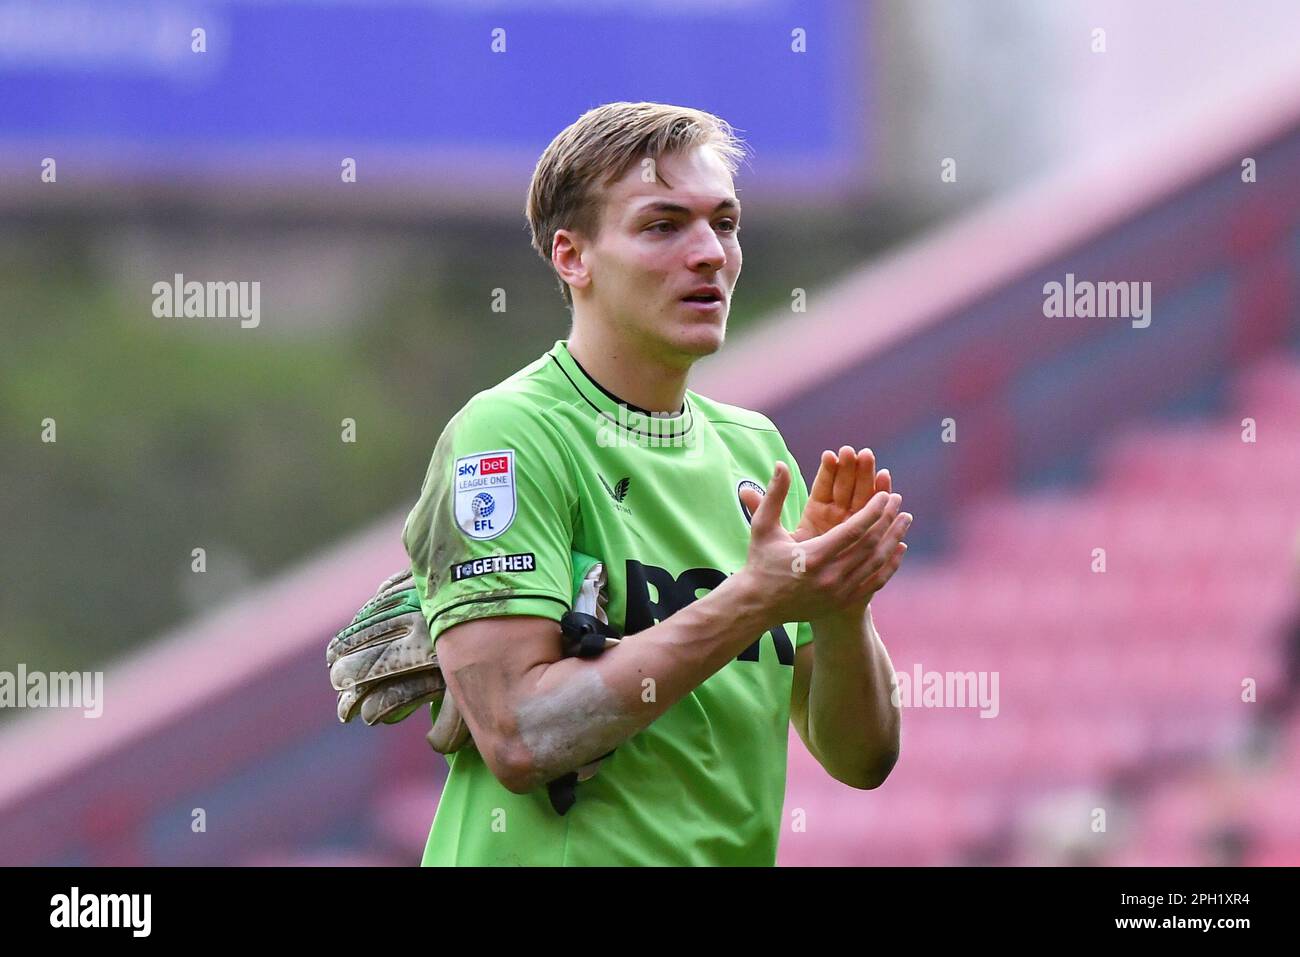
638,378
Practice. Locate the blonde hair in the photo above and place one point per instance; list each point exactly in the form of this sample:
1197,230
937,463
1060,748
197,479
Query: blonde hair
567,188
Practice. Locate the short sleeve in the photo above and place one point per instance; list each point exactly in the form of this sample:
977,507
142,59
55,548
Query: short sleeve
491,534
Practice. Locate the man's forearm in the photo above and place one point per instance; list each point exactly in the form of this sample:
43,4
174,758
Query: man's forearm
853,724
580,709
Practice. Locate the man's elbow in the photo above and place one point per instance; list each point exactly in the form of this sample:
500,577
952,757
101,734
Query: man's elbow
511,764
875,772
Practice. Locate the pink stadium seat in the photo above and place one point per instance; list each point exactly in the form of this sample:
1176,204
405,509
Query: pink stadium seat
1098,672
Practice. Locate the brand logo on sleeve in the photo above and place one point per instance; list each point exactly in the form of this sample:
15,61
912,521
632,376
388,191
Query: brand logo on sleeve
485,493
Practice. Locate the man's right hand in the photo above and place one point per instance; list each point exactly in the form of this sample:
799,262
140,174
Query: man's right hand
383,665
824,576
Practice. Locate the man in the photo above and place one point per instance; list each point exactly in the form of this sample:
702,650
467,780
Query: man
598,447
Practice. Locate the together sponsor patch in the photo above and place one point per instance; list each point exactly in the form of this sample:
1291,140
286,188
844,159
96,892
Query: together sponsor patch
523,562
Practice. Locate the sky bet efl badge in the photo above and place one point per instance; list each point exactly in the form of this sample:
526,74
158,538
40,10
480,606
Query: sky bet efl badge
485,493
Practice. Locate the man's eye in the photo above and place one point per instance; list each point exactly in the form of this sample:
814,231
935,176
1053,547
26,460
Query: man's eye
728,226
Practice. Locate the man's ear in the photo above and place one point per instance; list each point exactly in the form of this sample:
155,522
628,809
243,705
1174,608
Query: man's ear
566,257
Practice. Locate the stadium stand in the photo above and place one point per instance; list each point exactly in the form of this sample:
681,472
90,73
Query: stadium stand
1127,684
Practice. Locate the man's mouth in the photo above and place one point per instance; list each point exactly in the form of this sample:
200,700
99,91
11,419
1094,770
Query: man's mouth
704,293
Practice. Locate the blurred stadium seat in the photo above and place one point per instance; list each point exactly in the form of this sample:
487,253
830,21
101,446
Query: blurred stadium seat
1144,675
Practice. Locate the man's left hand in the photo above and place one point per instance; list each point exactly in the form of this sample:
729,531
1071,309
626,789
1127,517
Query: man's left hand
843,486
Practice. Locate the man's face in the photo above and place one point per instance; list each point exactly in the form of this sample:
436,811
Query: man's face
659,245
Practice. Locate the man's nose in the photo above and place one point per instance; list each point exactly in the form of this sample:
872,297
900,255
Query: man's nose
706,249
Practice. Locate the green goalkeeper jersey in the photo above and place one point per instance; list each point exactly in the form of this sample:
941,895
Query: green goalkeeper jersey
548,462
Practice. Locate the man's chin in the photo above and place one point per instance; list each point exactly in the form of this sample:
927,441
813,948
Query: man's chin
701,339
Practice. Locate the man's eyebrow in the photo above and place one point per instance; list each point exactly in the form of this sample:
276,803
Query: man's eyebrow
662,206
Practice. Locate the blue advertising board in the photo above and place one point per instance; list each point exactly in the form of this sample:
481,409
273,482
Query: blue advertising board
452,91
